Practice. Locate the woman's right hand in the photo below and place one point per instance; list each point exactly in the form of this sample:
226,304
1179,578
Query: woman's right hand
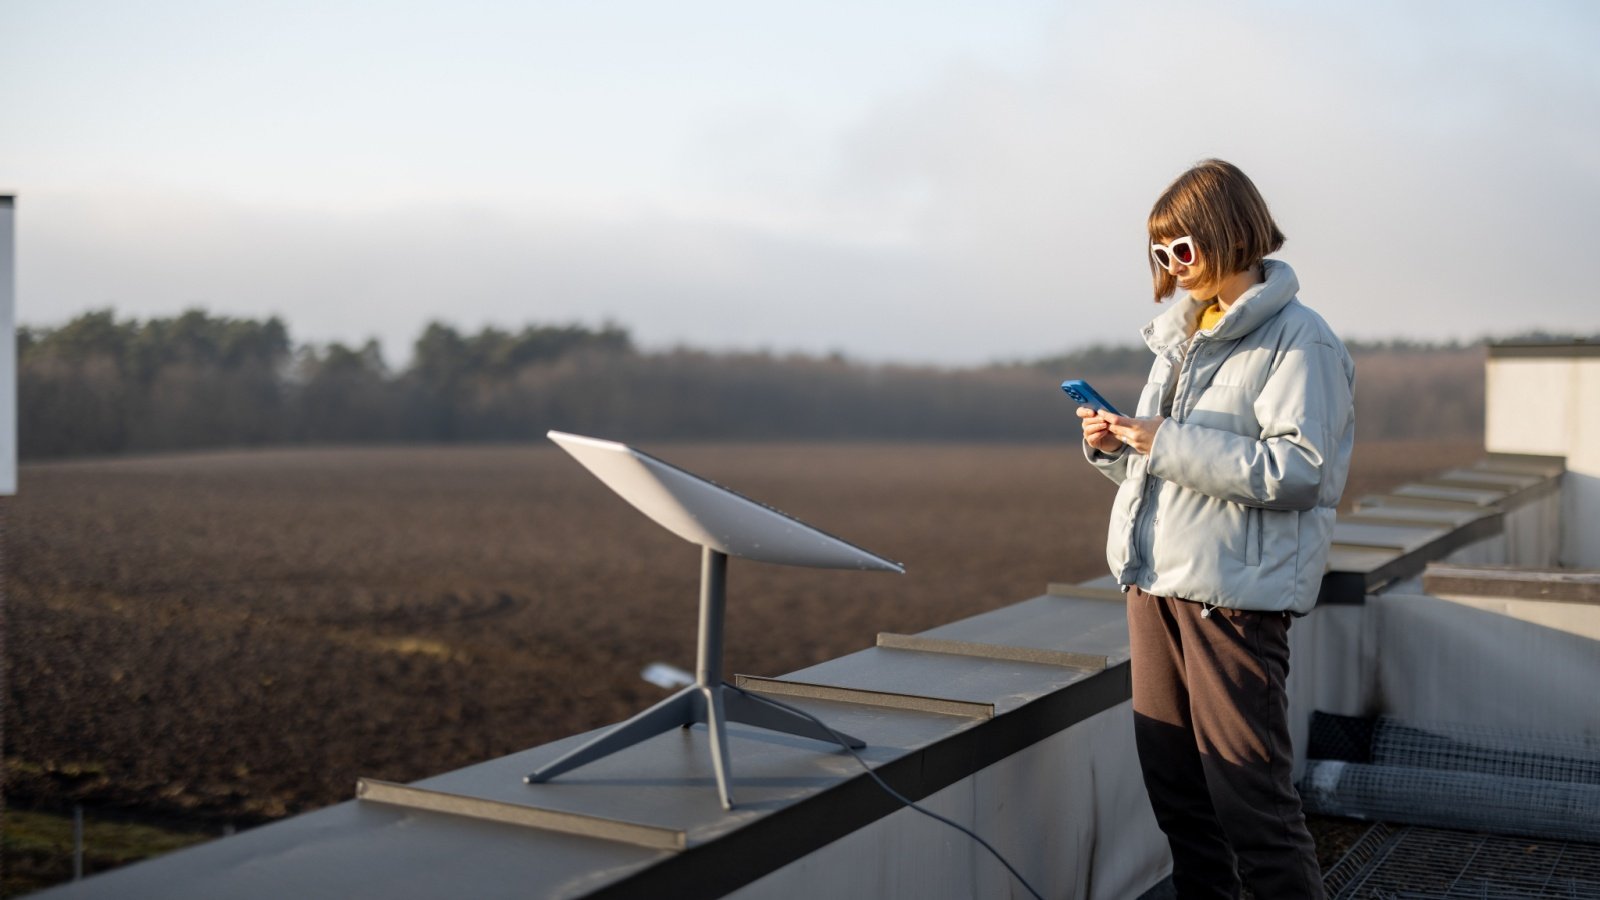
1096,431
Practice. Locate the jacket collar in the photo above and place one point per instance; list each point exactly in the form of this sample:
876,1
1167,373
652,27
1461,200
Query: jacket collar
1255,306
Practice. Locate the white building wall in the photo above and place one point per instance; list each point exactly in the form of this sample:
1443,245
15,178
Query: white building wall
1523,664
1550,405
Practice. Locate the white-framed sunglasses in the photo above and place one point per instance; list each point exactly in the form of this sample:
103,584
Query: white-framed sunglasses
1179,251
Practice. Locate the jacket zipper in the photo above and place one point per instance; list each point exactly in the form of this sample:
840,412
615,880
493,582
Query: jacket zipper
1185,372
1144,525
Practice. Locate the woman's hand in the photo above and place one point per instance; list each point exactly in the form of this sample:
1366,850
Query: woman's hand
1096,431
1140,434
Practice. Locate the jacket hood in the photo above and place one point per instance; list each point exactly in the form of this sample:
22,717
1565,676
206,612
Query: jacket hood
1256,305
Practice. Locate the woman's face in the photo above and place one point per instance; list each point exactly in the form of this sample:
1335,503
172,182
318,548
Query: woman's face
1188,276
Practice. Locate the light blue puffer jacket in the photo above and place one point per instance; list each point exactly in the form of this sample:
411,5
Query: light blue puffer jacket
1234,505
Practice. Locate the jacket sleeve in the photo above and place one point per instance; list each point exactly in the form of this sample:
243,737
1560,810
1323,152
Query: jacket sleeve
1112,465
1302,411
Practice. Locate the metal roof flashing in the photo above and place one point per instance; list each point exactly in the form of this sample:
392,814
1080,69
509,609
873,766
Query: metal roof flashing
1391,538
1534,349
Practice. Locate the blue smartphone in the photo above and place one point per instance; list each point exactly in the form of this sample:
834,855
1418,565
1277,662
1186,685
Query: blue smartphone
1087,396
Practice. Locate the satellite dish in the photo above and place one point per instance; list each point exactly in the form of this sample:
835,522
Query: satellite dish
724,524
706,513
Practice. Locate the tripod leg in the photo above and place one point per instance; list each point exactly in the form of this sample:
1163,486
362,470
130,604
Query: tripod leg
716,726
679,709
752,710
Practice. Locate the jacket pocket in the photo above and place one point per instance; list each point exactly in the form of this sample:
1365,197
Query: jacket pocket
1252,536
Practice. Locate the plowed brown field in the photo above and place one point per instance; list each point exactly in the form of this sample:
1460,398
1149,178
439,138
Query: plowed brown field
241,635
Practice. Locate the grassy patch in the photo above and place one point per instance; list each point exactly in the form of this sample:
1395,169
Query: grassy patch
38,847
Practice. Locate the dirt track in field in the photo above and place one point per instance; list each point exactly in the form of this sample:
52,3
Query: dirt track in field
241,635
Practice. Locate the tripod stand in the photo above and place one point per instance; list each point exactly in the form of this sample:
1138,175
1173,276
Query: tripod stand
723,523
707,701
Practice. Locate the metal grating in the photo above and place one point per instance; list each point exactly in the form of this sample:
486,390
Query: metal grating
1412,863
1501,752
1494,780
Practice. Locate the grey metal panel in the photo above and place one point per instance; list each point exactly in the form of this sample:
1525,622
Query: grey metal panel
1512,495
1504,488
1003,683
412,797
1098,627
1490,478
1390,536
1376,509
789,687
1445,493
1389,501
1041,656
1525,495
1539,464
1457,494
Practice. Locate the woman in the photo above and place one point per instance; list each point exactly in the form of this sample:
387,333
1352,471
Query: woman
1230,472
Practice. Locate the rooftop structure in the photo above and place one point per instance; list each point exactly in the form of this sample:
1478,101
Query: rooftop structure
8,344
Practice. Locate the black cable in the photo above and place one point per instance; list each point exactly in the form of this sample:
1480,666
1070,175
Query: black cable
885,785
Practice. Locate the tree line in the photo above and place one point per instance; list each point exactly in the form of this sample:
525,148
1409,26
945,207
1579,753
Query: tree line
101,385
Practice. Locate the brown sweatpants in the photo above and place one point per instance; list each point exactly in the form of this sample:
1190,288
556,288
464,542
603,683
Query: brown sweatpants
1210,718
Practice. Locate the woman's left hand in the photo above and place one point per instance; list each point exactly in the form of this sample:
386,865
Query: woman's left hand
1140,434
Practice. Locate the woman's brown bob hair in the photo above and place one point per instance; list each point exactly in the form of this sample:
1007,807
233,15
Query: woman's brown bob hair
1216,204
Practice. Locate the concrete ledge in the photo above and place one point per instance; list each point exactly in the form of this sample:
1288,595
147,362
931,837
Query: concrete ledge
1513,583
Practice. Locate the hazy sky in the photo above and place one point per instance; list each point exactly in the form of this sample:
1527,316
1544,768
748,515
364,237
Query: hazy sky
909,181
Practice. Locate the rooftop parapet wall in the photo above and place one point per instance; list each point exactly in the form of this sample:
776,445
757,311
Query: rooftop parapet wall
1016,722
